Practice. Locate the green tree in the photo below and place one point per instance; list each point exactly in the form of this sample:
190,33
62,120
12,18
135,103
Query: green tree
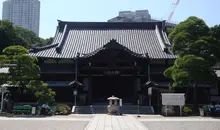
26,38
7,34
10,35
215,32
25,70
170,30
43,94
26,66
44,42
3,76
197,51
186,33
190,70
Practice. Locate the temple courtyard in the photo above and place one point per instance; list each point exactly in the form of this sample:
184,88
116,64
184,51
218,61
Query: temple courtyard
108,122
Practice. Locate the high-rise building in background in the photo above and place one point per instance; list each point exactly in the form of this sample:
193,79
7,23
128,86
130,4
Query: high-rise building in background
136,16
23,13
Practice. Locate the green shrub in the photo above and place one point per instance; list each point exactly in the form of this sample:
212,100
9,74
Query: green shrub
205,108
63,109
187,110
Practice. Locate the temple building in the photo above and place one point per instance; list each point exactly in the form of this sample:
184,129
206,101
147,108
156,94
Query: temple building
105,59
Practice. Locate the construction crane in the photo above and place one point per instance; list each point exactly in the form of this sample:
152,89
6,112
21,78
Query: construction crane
174,5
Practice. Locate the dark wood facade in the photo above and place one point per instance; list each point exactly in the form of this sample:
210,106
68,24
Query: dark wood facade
112,71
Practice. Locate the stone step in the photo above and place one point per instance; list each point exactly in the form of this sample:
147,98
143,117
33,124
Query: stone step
130,109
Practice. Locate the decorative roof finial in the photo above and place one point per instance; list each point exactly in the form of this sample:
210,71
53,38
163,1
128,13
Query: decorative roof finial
113,40
146,55
78,54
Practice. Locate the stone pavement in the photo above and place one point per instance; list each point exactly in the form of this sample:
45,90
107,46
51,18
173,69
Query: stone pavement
157,122
45,123
162,118
108,122
182,125
111,122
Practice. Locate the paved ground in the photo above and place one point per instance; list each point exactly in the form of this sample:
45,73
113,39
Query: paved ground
42,125
108,122
180,123
49,123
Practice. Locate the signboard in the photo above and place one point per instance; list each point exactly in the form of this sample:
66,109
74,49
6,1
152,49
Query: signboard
177,99
111,73
214,98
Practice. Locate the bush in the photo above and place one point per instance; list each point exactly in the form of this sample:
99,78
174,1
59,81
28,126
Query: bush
46,111
187,110
63,109
205,108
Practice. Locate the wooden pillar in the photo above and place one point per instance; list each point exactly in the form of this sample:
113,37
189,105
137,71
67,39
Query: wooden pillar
148,67
134,75
134,88
90,86
218,85
148,71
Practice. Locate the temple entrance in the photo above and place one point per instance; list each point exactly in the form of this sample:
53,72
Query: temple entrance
106,86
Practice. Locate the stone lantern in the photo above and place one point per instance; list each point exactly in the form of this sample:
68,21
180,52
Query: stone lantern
113,107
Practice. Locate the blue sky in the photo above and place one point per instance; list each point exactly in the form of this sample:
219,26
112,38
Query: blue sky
102,10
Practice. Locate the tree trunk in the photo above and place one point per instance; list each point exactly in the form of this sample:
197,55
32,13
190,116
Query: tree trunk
195,103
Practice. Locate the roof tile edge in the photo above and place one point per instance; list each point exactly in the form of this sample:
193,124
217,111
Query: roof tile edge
60,45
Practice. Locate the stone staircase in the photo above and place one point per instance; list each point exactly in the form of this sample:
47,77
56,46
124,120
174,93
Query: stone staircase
133,109
101,109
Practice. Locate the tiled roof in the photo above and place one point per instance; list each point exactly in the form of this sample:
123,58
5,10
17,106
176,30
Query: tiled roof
87,37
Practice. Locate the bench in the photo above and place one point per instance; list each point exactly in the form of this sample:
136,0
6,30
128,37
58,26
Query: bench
22,109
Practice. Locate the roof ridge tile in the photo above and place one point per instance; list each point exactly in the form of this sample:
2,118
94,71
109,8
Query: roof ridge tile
60,45
37,49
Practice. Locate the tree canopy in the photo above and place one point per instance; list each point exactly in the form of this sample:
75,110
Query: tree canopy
192,41
25,68
186,33
197,47
215,32
193,36
190,69
25,73
41,91
27,38
10,35
7,34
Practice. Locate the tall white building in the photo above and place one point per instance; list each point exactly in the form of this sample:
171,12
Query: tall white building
23,13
